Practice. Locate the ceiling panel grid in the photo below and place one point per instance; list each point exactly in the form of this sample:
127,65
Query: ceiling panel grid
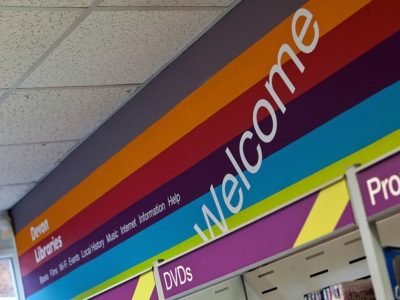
45,3
25,36
29,162
112,47
68,65
10,194
86,3
41,115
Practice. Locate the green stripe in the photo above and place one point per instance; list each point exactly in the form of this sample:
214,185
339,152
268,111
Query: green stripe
363,156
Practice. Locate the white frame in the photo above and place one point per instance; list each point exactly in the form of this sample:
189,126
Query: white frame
10,253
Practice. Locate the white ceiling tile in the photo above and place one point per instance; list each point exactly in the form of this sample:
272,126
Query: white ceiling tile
112,47
166,2
25,36
11,194
28,163
46,3
29,116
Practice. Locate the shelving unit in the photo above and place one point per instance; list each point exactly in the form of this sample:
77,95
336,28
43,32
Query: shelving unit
341,259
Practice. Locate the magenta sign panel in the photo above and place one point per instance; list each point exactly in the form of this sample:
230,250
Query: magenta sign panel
380,185
262,239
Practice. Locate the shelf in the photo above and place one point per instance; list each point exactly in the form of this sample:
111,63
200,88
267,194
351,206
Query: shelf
341,259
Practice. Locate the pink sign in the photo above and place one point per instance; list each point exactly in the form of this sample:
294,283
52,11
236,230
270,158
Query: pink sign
380,185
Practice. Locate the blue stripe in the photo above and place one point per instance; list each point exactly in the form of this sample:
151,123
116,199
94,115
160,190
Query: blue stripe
349,132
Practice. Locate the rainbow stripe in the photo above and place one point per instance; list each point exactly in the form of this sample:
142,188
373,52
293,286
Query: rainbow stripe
345,102
166,237
200,105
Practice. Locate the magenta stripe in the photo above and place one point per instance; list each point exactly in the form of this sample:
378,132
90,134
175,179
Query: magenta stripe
267,237
347,218
154,295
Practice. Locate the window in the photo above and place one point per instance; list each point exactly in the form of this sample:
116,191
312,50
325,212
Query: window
7,280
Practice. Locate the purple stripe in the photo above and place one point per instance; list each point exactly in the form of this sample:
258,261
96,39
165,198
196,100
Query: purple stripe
260,240
341,91
347,217
122,292
154,295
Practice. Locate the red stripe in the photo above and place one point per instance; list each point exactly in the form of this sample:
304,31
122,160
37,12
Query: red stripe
342,45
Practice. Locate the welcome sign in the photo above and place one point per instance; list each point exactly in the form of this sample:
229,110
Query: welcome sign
266,138
314,95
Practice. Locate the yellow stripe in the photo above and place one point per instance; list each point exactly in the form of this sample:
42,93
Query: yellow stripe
145,287
325,214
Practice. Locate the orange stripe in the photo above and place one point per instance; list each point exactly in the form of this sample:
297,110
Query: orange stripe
239,75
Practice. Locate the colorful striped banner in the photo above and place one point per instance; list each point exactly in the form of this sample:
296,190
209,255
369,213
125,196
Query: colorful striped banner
200,105
142,204
191,190
363,156
381,76
163,234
